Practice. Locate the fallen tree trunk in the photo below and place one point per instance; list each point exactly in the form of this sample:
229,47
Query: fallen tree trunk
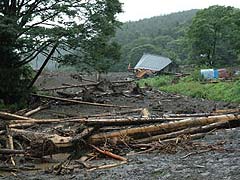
79,102
20,125
9,143
201,129
191,115
123,81
116,113
94,83
190,137
33,111
9,116
123,121
15,123
215,113
69,86
11,151
145,131
227,110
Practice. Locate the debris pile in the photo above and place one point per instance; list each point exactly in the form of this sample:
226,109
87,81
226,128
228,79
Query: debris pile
115,133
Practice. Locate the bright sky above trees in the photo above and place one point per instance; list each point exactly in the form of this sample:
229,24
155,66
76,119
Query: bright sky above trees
139,9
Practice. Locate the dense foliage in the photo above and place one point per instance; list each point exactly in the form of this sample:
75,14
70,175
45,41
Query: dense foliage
32,27
163,35
214,36
208,37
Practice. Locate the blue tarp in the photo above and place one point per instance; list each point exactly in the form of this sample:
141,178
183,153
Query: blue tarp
209,73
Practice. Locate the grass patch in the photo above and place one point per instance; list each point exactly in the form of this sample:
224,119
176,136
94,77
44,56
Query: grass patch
156,82
221,91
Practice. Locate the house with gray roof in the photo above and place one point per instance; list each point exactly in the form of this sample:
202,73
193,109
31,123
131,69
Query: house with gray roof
150,63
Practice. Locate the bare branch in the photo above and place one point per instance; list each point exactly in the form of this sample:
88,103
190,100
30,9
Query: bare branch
37,23
33,55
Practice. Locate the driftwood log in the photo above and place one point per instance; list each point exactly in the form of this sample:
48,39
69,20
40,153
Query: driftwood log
33,111
117,121
69,86
146,131
84,85
194,130
79,102
11,151
9,116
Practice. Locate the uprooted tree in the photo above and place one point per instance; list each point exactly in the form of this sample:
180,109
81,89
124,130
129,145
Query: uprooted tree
52,28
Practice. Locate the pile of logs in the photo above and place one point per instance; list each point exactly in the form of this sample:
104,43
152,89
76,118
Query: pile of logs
113,129
21,135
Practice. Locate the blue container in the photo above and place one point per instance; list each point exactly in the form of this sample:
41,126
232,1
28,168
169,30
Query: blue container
209,73
215,74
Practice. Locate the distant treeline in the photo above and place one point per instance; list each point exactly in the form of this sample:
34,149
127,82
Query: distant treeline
163,35
209,37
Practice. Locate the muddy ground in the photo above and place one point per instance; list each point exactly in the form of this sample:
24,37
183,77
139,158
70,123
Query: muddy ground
209,165
184,163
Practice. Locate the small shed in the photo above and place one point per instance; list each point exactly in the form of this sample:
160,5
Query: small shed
150,63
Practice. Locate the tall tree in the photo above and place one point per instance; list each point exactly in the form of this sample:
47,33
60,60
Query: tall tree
32,27
212,36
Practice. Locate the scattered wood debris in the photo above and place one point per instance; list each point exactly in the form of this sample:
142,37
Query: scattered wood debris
103,134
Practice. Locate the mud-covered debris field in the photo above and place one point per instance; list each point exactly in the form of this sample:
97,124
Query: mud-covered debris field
79,128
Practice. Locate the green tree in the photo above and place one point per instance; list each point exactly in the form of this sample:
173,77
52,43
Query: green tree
136,53
32,27
164,33
212,36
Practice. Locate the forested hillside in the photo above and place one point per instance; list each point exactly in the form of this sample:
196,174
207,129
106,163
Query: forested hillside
209,37
162,35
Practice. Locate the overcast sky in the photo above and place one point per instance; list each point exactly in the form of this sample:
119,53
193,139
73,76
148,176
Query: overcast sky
139,9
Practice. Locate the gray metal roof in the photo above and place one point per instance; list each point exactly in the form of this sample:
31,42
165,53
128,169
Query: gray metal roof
153,62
